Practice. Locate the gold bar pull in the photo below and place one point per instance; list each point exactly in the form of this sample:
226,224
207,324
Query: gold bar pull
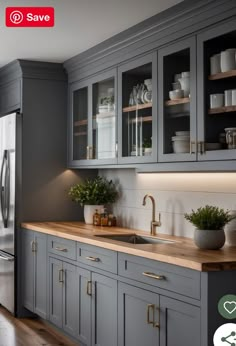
93,259
61,275
192,145
201,147
33,246
154,276
63,249
89,288
150,307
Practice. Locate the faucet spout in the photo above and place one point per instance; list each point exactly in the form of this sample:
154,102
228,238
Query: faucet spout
154,223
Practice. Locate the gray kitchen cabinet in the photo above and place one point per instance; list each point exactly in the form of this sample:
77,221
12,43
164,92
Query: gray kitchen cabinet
137,110
34,268
63,300
104,311
10,97
92,121
138,316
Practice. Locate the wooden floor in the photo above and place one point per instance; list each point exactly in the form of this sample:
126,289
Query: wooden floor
28,332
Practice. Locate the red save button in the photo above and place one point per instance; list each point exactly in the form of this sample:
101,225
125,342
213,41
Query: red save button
30,16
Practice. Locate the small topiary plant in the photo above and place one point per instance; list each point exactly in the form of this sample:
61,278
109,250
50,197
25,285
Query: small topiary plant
209,218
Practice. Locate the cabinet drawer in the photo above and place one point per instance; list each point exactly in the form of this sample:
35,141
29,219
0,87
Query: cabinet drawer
97,257
166,276
62,247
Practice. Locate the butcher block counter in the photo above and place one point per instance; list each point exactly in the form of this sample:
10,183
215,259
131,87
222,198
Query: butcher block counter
181,252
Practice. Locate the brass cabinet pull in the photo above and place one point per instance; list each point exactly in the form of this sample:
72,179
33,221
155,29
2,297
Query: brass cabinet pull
93,259
61,275
154,276
89,288
201,147
150,307
33,246
192,144
63,249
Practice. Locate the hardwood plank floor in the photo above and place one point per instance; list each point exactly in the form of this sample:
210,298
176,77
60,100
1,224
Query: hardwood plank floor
29,332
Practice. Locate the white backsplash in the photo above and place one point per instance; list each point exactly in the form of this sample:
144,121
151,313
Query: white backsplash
175,194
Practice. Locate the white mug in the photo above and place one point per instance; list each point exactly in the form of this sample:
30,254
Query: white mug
228,98
216,100
227,60
215,64
233,97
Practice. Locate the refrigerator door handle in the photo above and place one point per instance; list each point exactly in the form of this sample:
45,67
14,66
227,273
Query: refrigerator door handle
5,188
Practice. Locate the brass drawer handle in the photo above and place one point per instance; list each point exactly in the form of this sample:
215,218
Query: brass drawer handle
154,276
93,259
157,324
63,249
33,246
150,307
89,288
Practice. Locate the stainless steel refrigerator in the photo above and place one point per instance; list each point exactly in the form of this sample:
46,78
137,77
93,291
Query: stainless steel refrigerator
8,154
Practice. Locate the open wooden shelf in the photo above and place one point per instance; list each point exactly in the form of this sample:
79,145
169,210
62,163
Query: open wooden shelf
137,107
177,102
141,119
81,122
222,110
80,134
223,75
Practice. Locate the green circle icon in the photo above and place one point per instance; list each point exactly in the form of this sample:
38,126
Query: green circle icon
227,306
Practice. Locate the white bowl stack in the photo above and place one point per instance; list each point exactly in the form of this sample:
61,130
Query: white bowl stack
181,142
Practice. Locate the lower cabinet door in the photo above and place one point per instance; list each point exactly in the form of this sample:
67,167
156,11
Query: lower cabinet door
84,294
179,323
70,298
104,311
28,271
138,317
55,291
40,301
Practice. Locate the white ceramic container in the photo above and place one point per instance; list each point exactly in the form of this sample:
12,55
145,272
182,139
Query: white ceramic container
228,98
181,144
89,210
185,74
227,60
215,64
185,85
176,94
176,86
182,133
216,100
233,97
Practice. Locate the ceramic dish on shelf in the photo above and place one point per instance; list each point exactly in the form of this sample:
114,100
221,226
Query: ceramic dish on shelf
182,133
176,94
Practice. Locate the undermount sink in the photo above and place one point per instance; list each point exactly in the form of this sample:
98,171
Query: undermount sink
135,239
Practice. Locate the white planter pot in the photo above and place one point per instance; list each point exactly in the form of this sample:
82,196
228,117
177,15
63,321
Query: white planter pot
89,210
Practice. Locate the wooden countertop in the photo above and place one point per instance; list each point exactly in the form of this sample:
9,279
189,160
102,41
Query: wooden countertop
182,253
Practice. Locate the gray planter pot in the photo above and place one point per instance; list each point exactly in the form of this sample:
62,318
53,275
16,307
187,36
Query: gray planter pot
209,239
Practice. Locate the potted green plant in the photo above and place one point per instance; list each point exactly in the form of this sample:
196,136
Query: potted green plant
209,221
93,194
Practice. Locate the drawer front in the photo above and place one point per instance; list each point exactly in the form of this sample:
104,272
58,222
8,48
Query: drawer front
97,257
62,247
165,276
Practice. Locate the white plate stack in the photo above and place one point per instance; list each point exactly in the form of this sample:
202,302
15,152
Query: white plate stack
181,142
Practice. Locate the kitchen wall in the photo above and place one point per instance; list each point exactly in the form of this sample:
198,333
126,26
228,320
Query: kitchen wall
175,194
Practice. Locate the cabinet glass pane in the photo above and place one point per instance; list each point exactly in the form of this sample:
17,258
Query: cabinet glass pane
104,120
137,111
220,92
176,90
80,123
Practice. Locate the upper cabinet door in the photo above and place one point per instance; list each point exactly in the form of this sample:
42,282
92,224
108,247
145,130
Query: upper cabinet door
137,110
78,134
92,122
217,92
177,102
104,129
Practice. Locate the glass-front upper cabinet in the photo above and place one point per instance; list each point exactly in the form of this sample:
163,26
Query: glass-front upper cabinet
137,90
217,92
92,125
177,102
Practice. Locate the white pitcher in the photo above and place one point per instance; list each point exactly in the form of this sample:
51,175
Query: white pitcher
185,85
